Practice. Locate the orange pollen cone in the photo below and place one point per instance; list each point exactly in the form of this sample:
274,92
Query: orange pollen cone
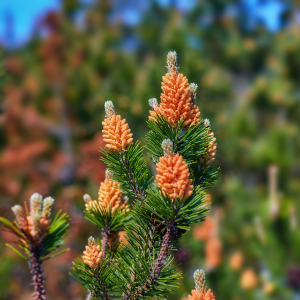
92,256
116,133
173,177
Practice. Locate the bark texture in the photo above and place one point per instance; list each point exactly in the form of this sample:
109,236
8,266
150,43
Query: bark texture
37,276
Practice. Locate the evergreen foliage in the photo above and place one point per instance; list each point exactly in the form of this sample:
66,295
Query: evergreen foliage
56,234
142,264
49,243
38,235
130,171
103,219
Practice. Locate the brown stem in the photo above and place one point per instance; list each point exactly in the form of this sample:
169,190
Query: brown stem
104,242
155,272
37,275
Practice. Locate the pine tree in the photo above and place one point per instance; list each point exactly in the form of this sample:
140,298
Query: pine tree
182,147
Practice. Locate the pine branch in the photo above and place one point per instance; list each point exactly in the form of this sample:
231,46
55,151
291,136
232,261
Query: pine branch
38,235
155,273
183,149
129,170
100,282
190,142
165,246
37,274
104,242
139,194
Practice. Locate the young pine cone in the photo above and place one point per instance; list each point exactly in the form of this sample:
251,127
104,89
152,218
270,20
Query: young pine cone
20,217
110,197
208,295
36,205
44,223
116,132
37,222
200,292
91,204
173,177
194,113
109,194
154,105
211,151
176,101
92,256
173,174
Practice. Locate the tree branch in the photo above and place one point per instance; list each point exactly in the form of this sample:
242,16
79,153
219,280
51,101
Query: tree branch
138,194
37,274
155,273
104,242
159,263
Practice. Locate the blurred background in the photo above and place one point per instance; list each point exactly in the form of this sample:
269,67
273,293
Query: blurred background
63,59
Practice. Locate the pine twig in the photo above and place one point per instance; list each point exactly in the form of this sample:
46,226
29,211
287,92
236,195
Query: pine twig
104,242
160,261
37,275
155,273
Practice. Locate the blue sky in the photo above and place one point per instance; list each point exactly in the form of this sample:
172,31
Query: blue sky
24,14
267,11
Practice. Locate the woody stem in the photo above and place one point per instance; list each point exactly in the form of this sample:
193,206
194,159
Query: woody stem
104,242
37,275
155,273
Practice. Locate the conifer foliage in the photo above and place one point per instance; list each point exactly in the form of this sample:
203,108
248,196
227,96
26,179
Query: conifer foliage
38,236
182,147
